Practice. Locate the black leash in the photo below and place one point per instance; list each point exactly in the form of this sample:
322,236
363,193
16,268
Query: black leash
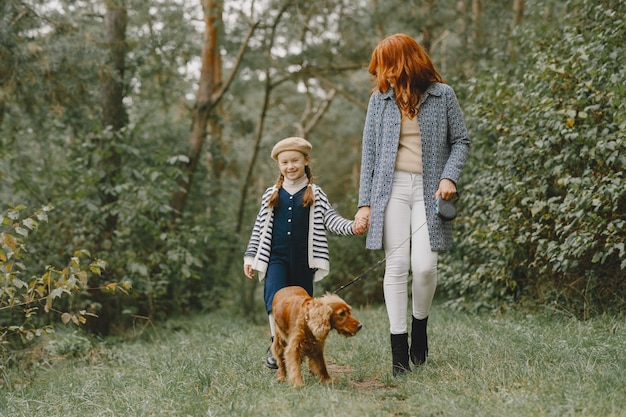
361,275
377,264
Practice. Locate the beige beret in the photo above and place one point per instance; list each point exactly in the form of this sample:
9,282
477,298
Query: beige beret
291,144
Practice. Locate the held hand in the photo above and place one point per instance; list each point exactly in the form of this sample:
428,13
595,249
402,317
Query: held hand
359,227
447,189
362,219
248,272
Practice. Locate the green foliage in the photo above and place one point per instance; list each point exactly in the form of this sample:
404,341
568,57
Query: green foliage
545,200
25,292
58,155
34,51
171,267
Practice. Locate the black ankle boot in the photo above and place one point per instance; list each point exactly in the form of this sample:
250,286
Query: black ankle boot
400,353
419,341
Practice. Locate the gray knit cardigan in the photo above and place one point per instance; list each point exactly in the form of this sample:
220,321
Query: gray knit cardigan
445,148
322,217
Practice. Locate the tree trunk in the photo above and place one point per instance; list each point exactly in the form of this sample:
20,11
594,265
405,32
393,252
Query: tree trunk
113,112
113,116
518,11
215,129
477,10
1,107
210,78
379,28
518,17
211,89
427,33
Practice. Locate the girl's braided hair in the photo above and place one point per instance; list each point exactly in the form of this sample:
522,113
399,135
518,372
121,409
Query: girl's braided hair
309,197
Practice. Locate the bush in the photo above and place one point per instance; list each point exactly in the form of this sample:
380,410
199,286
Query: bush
24,292
544,218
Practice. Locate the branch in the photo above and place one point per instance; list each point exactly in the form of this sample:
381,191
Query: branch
304,127
349,96
217,96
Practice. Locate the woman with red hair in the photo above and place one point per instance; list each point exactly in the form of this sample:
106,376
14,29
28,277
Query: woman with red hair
415,146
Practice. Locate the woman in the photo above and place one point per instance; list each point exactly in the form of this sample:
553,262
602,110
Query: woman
415,145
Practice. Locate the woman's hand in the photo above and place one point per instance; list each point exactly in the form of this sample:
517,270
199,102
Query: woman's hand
359,227
248,271
447,189
362,220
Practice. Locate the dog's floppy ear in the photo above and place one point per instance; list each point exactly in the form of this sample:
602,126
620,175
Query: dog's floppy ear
318,318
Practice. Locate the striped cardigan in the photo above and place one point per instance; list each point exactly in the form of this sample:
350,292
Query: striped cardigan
322,217
445,148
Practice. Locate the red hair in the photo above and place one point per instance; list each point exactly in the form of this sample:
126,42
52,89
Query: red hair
399,61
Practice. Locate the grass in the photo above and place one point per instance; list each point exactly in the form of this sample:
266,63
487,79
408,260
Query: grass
211,365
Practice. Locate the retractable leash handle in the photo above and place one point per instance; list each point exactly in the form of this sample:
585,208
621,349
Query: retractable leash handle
446,209
377,264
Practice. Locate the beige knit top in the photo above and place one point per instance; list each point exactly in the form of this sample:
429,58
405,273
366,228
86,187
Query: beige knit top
409,157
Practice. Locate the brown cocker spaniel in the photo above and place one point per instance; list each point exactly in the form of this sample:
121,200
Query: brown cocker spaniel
302,324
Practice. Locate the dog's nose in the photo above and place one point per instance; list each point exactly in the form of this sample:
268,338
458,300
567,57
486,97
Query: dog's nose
359,326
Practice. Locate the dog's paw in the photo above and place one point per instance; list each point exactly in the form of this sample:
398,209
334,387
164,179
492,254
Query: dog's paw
296,382
331,381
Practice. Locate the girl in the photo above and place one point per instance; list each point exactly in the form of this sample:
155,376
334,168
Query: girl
414,147
288,245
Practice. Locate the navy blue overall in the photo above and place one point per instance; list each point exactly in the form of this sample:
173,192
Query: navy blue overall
288,264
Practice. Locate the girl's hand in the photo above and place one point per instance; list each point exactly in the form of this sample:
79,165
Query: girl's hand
447,189
247,270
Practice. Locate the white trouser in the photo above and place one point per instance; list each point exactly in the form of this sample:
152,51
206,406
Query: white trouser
405,216
272,325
